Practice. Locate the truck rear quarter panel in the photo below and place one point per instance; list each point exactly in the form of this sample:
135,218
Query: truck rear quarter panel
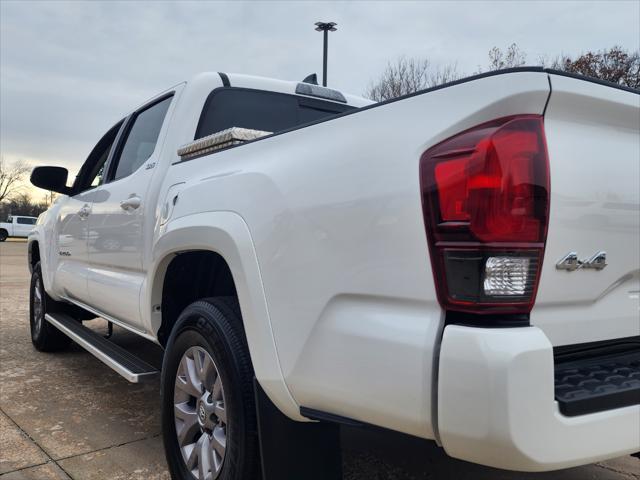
335,214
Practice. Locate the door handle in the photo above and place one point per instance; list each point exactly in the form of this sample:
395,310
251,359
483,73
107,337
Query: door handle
131,203
84,211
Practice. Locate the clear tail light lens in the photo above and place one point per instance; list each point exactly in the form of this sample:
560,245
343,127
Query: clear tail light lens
507,276
485,196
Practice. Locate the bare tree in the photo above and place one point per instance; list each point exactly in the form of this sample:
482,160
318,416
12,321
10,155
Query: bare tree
22,204
613,65
11,177
408,75
510,58
49,198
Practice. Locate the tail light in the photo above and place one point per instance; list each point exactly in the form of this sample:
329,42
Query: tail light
485,197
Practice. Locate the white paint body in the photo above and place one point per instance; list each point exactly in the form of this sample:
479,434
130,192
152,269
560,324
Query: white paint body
323,230
593,139
18,226
496,405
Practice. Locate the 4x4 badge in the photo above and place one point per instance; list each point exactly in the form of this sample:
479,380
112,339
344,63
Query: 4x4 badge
570,262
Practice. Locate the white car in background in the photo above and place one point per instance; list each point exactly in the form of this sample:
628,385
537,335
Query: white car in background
16,226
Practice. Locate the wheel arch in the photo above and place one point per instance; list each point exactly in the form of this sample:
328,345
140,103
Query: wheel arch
39,250
190,275
221,237
34,254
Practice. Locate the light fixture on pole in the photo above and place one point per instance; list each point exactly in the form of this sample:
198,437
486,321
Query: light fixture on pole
325,27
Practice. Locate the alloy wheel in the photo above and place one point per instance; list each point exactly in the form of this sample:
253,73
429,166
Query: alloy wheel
200,414
38,310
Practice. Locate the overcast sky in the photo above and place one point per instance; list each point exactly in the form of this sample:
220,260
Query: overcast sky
70,70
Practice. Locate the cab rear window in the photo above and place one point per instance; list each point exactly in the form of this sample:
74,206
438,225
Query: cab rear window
260,110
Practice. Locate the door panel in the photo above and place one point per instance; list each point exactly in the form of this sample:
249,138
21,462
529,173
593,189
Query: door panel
23,226
71,247
116,225
115,246
20,230
72,226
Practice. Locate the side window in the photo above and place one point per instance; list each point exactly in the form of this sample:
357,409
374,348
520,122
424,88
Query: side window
91,173
141,139
26,221
97,172
261,110
97,179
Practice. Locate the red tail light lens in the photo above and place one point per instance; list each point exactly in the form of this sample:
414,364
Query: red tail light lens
485,197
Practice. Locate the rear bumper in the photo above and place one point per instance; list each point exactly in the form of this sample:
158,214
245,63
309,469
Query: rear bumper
496,405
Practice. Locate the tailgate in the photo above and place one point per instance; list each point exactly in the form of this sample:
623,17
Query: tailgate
593,139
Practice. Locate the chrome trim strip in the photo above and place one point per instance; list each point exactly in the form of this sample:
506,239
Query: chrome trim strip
99,354
218,141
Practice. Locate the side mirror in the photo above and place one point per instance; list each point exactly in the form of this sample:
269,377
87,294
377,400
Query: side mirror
51,178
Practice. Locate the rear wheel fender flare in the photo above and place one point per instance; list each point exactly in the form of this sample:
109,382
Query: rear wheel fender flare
226,234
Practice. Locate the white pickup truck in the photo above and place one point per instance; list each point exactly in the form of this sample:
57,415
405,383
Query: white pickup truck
461,264
16,226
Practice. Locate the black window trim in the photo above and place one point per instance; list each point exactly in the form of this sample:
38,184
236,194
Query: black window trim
114,157
82,173
319,104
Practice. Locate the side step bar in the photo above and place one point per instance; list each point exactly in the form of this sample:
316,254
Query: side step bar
117,358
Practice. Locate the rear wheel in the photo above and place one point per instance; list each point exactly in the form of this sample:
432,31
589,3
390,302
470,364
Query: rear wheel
44,336
208,407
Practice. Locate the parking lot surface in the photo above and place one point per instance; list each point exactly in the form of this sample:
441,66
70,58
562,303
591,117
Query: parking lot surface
68,416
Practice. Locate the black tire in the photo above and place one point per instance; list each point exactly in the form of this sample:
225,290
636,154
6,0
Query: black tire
215,325
44,336
3,234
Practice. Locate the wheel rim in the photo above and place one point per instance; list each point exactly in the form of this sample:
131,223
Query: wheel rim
38,310
200,414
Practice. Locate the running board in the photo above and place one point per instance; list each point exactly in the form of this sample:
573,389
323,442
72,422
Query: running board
117,358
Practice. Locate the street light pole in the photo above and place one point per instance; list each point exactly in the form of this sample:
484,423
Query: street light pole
325,27
324,57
